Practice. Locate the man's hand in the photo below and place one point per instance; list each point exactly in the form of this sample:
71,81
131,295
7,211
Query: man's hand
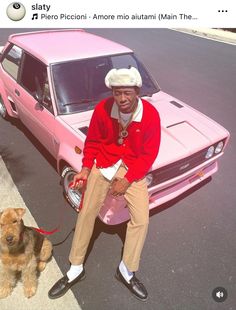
80,178
119,186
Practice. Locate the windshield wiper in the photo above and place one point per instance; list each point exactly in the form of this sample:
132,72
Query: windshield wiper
85,100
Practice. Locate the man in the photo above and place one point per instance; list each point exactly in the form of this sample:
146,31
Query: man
122,143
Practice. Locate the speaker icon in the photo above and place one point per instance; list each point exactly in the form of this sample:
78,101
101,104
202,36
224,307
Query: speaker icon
219,294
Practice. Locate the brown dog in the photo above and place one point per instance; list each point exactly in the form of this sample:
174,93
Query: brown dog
22,249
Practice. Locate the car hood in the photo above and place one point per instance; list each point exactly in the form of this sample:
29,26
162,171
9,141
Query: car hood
184,130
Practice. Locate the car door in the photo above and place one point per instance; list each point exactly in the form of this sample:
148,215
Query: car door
25,78
34,101
10,65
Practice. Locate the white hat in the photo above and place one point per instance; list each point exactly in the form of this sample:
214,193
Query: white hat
123,77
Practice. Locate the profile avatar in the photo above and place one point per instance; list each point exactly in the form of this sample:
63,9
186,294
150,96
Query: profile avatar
16,11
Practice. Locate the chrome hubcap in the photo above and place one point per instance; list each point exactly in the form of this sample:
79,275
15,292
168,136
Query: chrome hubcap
3,110
74,196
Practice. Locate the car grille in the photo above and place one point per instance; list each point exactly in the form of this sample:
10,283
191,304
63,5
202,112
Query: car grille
179,167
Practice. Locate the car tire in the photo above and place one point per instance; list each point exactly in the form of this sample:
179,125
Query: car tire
3,110
71,195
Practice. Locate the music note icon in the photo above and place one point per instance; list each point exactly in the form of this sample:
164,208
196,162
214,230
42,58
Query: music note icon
35,16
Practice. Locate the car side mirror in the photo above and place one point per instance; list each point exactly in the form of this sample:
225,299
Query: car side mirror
39,98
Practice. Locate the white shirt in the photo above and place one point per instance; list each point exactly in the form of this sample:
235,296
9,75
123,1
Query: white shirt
109,172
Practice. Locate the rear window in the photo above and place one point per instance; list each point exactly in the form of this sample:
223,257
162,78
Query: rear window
11,61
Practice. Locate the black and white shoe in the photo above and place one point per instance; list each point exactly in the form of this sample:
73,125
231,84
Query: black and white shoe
135,286
63,285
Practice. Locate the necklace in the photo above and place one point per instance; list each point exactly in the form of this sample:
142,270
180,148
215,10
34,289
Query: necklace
123,133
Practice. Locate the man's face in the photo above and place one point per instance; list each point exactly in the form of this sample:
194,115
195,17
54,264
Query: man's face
126,98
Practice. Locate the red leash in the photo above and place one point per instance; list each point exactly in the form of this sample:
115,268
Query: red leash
71,185
45,232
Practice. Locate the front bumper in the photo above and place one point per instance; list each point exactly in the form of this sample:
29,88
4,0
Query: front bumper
115,211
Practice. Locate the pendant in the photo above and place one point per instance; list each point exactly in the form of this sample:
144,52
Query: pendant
124,133
120,141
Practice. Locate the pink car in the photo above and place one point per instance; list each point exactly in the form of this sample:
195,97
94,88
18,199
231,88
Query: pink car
52,80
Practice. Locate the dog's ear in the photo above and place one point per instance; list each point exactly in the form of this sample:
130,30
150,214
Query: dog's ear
1,212
20,212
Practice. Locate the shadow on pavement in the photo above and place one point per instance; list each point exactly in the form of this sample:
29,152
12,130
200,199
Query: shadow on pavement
120,229
179,198
43,151
15,164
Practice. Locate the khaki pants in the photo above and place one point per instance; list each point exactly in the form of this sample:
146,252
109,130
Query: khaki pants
138,205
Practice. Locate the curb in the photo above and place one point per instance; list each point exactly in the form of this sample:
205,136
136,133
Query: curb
10,197
220,35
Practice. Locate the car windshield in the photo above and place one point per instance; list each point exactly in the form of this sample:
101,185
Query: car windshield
79,85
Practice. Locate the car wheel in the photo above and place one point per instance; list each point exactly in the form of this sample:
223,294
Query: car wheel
71,195
3,110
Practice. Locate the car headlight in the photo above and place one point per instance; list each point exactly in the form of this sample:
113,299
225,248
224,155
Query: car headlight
209,152
219,147
149,179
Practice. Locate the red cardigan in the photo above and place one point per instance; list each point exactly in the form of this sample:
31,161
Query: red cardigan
139,149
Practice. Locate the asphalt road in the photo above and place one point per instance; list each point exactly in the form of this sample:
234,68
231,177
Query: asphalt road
191,245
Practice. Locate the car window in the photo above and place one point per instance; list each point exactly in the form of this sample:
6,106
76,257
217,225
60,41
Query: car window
79,85
33,75
119,61
149,87
34,79
11,61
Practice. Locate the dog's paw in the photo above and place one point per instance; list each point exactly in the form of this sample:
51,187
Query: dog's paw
30,291
41,266
5,291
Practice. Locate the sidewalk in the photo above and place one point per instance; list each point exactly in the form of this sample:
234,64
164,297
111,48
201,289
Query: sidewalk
213,34
10,197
